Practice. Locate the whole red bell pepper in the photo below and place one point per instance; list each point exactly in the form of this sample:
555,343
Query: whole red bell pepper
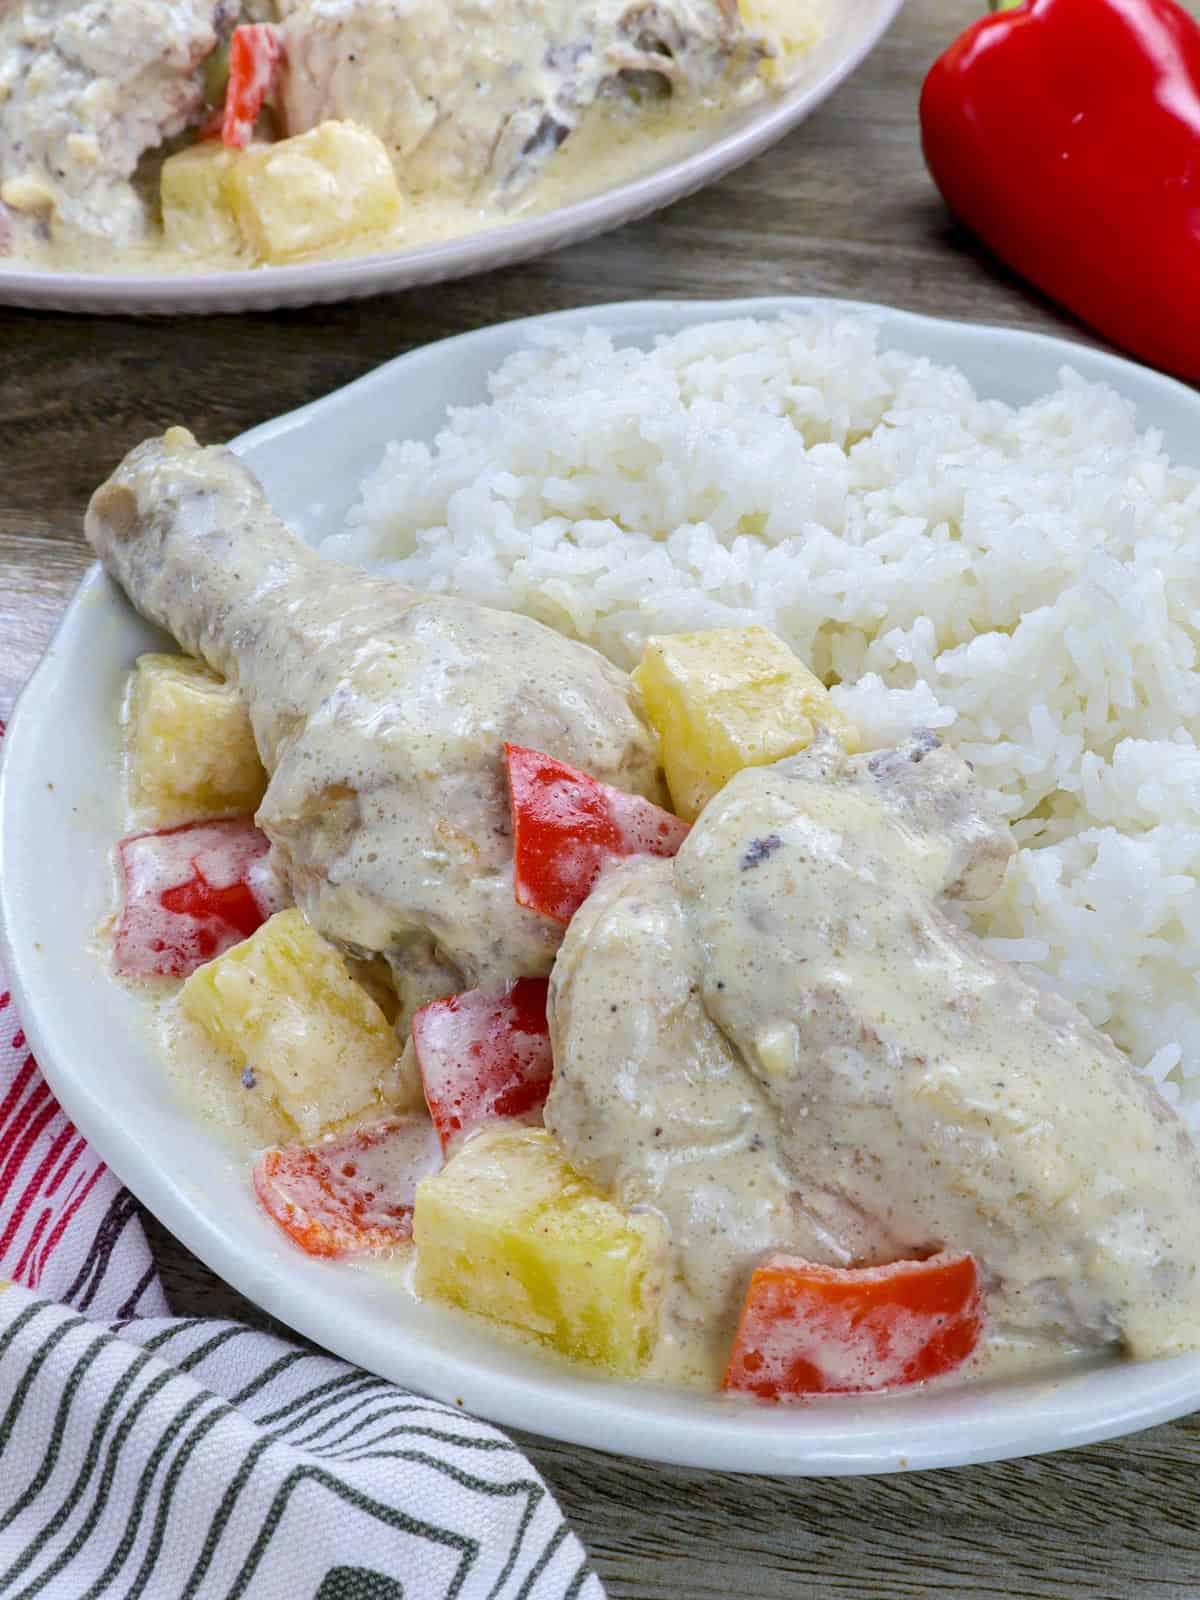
1066,134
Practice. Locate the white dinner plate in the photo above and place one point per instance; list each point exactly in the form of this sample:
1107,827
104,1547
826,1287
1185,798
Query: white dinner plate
60,813
855,27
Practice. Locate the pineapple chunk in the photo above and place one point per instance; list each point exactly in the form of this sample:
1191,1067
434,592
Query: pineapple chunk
195,206
320,188
509,1231
190,751
789,31
293,1021
726,699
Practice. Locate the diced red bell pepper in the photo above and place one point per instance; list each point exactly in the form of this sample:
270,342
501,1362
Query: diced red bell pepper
255,52
351,1195
189,894
484,1055
809,1329
568,826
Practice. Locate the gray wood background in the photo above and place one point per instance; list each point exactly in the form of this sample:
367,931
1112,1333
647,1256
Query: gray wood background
843,207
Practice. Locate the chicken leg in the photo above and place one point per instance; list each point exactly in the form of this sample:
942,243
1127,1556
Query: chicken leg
471,95
380,715
815,1057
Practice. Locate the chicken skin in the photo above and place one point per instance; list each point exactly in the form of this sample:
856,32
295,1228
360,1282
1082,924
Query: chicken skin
809,1054
478,94
380,715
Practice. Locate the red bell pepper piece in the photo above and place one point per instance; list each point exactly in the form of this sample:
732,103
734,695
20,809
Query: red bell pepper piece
1066,134
351,1195
809,1329
484,1055
190,893
568,826
255,52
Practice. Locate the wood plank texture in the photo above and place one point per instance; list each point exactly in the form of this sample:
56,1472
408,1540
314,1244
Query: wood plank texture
842,207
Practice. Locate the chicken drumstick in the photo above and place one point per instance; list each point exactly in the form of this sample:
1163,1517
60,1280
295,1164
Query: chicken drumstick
380,715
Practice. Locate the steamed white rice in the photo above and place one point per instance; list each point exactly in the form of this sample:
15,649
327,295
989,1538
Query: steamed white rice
1024,581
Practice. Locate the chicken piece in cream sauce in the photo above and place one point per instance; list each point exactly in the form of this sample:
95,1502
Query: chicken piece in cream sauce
782,1040
485,93
485,108
380,714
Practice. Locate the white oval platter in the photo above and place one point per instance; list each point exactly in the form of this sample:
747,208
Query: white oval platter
856,26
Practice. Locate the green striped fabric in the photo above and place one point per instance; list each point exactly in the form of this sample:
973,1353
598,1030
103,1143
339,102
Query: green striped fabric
183,1459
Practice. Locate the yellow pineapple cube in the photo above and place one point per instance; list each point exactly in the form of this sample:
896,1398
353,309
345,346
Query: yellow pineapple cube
726,699
789,32
190,752
511,1232
195,206
293,1022
320,188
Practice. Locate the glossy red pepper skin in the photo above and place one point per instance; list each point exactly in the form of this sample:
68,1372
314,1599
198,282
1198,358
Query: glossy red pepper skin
568,825
1066,134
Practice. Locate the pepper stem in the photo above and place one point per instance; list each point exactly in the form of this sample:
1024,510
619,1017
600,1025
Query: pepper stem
1005,5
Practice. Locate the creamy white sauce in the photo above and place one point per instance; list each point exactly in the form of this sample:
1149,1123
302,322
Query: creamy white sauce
686,1356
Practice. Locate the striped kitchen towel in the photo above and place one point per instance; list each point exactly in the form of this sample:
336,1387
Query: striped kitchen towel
144,1455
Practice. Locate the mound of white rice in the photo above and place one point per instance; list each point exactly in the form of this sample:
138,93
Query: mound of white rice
1026,582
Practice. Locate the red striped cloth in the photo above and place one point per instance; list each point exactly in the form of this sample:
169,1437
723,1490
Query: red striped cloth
68,1230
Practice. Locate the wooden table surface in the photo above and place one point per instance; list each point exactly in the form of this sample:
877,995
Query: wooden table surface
842,207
